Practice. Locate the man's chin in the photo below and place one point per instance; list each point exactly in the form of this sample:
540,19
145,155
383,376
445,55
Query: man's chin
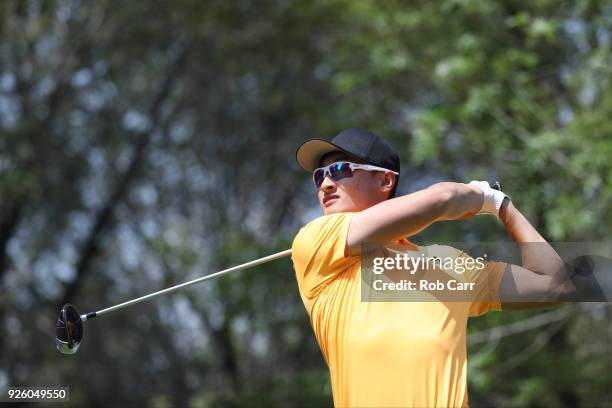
331,208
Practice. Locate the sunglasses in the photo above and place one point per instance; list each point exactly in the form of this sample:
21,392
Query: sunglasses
339,170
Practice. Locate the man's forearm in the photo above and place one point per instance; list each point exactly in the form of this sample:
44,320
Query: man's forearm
537,254
407,215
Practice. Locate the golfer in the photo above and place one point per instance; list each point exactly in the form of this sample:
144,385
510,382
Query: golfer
386,354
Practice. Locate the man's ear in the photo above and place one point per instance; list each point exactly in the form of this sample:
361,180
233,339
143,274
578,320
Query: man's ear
387,182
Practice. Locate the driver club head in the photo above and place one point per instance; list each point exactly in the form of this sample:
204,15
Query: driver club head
68,330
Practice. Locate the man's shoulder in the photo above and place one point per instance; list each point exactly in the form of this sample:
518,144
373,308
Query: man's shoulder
320,223
323,231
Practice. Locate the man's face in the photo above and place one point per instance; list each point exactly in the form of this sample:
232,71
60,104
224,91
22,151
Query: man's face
351,194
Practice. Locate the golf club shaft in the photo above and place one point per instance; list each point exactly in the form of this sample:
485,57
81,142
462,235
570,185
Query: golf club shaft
91,315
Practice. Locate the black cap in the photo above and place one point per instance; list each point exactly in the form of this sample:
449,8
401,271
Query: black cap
355,142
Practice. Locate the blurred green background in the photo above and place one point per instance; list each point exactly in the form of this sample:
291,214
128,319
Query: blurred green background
145,143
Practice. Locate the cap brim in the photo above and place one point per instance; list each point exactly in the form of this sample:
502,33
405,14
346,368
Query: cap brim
309,154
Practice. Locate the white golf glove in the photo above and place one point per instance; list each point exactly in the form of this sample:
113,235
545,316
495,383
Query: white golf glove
493,199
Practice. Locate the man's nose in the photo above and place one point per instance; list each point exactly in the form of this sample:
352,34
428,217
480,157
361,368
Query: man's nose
328,185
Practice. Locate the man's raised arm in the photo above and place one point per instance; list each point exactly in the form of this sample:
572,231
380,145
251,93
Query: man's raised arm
407,215
542,279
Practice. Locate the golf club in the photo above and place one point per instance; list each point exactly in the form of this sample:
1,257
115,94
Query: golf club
69,327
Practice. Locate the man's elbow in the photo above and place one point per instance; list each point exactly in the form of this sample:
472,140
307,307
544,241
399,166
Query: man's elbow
441,196
563,292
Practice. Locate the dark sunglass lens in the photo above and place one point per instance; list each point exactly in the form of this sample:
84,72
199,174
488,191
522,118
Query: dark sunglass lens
340,170
318,177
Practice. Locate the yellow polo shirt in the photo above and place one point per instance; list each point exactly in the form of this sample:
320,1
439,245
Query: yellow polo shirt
383,354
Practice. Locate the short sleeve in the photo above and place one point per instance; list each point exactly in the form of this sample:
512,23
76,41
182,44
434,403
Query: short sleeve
318,253
484,277
488,281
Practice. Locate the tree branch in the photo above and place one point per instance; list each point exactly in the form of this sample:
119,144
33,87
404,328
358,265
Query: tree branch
104,217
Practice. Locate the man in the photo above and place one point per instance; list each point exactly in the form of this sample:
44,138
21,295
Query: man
399,353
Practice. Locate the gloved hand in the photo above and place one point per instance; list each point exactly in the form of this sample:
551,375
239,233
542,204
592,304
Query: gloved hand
493,199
